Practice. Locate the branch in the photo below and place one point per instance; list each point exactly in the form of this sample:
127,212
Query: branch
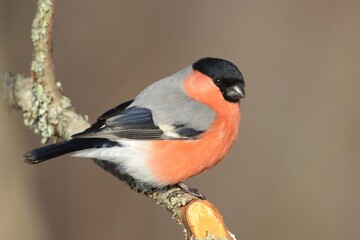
48,113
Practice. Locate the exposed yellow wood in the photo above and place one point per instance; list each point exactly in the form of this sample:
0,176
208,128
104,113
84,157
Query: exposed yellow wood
205,221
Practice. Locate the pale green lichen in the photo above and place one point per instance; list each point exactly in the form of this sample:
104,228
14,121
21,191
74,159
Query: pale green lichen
44,114
40,57
58,85
45,6
65,102
177,202
39,28
38,63
38,34
37,66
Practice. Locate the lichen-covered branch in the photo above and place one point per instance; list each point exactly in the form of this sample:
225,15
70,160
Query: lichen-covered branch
45,110
48,113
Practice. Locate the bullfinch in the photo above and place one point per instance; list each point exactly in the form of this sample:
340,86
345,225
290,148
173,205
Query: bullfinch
176,128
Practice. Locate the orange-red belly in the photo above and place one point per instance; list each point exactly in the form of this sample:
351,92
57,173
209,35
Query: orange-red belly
173,161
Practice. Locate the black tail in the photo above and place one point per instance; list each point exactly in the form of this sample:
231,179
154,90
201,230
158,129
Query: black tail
76,144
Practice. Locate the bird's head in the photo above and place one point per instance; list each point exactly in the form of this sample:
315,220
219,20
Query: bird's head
225,75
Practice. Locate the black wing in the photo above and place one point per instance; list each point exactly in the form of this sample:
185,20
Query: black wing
114,111
133,123
100,121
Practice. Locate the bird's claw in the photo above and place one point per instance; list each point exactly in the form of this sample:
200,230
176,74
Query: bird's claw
191,191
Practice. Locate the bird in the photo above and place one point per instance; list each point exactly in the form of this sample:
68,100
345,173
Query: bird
177,127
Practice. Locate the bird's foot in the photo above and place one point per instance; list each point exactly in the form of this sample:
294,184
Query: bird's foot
191,191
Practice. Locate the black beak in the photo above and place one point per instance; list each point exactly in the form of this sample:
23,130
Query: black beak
235,92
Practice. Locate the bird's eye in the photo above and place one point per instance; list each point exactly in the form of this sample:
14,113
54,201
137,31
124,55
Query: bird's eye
218,81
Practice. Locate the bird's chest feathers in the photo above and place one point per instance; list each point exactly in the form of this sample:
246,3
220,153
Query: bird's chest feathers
176,160
173,161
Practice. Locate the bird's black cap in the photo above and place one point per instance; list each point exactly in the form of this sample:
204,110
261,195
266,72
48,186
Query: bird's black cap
218,68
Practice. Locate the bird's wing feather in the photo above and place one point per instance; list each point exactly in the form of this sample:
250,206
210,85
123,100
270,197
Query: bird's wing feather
135,123
116,110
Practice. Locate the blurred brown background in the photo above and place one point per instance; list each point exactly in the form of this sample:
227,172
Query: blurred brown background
294,172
